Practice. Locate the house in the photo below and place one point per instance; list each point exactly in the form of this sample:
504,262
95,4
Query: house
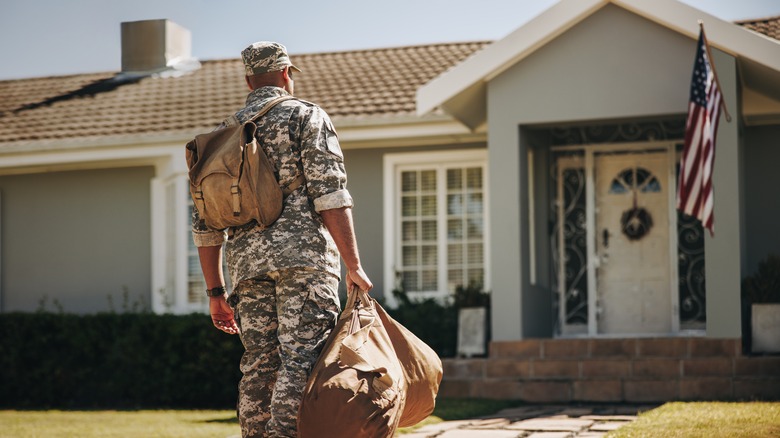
509,163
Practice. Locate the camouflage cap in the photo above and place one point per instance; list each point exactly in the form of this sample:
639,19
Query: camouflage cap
265,56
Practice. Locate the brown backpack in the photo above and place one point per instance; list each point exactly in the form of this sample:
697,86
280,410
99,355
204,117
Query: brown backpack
232,181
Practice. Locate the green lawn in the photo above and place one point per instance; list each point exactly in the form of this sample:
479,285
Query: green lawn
126,424
705,420
684,420
170,424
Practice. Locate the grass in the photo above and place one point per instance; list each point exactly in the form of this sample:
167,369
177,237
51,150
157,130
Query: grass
125,424
678,419
705,420
183,423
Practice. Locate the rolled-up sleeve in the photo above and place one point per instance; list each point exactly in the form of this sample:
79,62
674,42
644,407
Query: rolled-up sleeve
203,235
337,199
323,163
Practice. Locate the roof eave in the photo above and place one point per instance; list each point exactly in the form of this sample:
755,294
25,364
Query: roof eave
461,91
491,61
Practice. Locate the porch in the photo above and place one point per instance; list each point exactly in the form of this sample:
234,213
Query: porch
631,370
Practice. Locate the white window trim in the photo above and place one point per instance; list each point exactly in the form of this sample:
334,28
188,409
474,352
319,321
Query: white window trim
391,163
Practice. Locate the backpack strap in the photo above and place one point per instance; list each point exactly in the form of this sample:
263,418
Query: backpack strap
268,106
297,182
300,179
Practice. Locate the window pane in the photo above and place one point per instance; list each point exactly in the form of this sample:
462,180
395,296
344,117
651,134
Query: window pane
475,227
455,229
429,230
410,256
477,276
409,281
429,255
454,204
193,262
409,206
428,205
454,279
421,216
409,181
474,202
454,179
428,178
430,280
455,254
475,253
409,231
474,178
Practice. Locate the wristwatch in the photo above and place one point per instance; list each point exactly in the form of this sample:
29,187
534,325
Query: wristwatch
216,292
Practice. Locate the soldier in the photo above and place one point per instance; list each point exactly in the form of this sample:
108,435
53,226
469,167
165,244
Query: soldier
285,296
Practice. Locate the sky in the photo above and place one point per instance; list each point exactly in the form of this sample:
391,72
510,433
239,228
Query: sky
59,37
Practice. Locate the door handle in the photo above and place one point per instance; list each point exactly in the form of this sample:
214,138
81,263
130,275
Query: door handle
605,236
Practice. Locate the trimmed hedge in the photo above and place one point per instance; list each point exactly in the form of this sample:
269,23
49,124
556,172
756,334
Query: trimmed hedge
143,360
117,361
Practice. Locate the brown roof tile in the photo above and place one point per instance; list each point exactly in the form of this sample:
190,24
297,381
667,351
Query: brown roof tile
350,84
356,84
768,26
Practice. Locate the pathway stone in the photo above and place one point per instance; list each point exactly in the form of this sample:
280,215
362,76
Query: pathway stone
539,421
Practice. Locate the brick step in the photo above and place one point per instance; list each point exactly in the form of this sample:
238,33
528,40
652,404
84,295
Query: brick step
606,368
606,348
615,390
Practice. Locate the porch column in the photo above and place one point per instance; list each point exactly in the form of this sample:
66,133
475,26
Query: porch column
724,253
504,164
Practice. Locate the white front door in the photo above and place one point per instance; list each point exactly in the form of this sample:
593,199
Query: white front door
632,243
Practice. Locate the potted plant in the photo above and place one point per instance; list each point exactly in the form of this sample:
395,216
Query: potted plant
761,292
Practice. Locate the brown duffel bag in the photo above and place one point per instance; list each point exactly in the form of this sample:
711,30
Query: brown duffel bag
356,387
422,370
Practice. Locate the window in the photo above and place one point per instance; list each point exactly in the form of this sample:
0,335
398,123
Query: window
196,284
436,221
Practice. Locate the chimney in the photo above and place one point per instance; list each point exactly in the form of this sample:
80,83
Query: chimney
153,46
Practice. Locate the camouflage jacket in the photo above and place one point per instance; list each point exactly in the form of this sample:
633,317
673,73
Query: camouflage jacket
297,136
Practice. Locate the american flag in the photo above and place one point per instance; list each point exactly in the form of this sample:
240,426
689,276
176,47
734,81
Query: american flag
694,190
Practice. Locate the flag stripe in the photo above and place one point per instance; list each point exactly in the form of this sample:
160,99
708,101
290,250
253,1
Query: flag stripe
695,195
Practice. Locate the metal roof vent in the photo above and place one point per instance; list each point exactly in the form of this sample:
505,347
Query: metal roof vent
156,47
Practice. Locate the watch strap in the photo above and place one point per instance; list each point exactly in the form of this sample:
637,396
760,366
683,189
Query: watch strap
216,292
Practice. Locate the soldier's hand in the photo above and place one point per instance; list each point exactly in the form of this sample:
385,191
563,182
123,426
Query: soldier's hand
222,315
357,277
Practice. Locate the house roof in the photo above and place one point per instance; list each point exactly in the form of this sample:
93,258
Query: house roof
769,26
461,91
351,86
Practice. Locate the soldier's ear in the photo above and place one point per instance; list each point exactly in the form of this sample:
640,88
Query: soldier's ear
246,78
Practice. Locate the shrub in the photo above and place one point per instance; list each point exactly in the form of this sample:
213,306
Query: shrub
763,286
436,321
119,361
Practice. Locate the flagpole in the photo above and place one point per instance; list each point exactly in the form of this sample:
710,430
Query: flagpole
712,65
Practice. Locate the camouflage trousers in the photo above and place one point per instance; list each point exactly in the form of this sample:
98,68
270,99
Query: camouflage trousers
285,319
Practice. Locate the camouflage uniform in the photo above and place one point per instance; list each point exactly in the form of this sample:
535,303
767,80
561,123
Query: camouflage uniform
286,276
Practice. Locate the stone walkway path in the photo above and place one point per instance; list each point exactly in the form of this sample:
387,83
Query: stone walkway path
546,421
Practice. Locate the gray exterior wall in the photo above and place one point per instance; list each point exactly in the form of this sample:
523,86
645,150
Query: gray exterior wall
762,204
77,236
613,66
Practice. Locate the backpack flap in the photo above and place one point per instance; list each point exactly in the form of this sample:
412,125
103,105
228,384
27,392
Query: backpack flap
206,157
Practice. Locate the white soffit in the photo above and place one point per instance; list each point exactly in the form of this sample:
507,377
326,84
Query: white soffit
446,90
